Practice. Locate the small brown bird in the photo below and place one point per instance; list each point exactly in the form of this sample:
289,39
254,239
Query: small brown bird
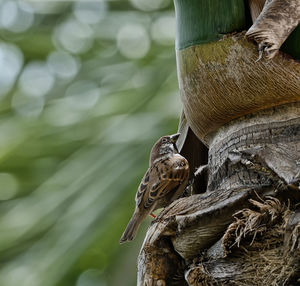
164,182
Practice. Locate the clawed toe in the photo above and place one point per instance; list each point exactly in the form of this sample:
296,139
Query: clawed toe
266,50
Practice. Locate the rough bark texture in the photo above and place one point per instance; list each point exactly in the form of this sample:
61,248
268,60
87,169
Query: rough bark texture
203,238
262,143
221,81
272,27
241,225
262,250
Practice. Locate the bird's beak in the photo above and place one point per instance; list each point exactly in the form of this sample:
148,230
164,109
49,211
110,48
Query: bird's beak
174,137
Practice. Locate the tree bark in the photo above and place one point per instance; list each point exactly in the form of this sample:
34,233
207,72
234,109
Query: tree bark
241,127
248,216
221,81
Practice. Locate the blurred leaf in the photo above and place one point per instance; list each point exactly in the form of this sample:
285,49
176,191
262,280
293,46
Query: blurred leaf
78,120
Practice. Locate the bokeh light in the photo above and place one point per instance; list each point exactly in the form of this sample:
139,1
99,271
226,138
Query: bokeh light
163,30
90,12
16,16
86,87
11,61
48,7
36,79
146,5
63,65
73,36
133,41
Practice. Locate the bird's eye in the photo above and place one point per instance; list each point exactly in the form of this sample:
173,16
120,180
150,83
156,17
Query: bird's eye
164,140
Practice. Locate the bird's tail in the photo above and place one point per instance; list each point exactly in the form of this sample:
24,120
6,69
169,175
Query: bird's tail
132,227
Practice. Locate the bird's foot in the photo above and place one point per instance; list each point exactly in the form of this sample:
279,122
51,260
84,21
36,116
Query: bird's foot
152,215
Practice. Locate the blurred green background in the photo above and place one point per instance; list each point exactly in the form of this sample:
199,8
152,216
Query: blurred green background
86,87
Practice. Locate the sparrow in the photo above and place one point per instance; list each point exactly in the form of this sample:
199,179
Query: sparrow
163,182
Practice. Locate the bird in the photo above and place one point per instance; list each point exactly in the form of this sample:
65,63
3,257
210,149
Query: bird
164,181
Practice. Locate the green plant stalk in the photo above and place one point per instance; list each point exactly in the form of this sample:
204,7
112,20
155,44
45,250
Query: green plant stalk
204,21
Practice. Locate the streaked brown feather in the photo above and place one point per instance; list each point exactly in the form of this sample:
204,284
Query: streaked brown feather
163,182
143,186
164,177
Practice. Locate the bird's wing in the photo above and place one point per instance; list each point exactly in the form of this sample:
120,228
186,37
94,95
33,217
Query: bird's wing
143,186
166,176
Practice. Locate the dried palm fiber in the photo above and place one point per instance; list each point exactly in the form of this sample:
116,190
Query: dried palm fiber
269,257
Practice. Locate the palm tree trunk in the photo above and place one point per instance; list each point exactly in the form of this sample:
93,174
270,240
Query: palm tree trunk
241,118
